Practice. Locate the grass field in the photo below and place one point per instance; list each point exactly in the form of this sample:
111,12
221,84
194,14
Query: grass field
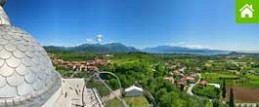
139,101
251,81
113,103
207,91
215,77
232,79
246,88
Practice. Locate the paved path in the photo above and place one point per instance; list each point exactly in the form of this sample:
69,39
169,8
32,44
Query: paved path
189,90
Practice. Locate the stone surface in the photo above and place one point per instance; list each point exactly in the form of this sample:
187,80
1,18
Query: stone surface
27,77
70,95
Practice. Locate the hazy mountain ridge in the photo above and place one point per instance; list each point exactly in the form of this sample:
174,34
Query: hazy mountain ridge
174,49
119,47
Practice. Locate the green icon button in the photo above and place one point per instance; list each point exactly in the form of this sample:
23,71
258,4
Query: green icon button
247,11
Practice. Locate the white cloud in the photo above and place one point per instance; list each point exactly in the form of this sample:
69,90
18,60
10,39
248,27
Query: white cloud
184,44
99,38
89,41
194,46
177,43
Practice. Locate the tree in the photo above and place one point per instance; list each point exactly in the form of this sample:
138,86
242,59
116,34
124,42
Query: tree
182,87
216,103
224,90
231,99
217,95
114,84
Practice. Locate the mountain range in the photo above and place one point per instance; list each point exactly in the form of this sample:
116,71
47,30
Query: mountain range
119,47
184,50
97,48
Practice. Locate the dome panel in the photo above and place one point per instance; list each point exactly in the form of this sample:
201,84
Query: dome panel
22,47
13,62
27,61
1,62
3,41
6,71
7,37
7,92
37,85
15,80
30,78
5,54
2,81
35,60
10,47
17,37
24,89
1,47
30,53
22,70
18,54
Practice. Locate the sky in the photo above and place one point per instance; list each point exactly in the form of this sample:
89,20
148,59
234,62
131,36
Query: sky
139,23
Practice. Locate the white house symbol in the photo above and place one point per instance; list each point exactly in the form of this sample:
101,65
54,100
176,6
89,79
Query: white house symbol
247,10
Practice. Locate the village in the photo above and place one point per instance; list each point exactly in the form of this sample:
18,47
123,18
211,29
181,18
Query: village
82,66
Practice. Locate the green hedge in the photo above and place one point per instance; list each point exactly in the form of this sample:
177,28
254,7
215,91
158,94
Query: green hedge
206,91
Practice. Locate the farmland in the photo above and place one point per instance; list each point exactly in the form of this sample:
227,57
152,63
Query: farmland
245,94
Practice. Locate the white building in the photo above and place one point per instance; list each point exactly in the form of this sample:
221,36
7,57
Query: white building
214,84
133,91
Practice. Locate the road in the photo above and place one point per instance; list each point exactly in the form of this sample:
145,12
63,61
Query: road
189,90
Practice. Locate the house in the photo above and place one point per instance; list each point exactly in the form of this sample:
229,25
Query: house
190,79
172,67
178,75
171,74
247,10
192,75
203,83
182,69
181,82
133,91
92,68
170,79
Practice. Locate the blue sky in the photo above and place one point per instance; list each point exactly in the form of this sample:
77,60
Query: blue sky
140,23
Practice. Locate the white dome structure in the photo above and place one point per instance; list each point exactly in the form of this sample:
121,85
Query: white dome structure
27,77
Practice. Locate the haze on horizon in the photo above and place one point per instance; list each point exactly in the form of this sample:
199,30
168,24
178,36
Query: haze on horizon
139,23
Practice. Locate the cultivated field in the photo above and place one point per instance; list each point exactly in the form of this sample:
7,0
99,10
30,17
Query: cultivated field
245,94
